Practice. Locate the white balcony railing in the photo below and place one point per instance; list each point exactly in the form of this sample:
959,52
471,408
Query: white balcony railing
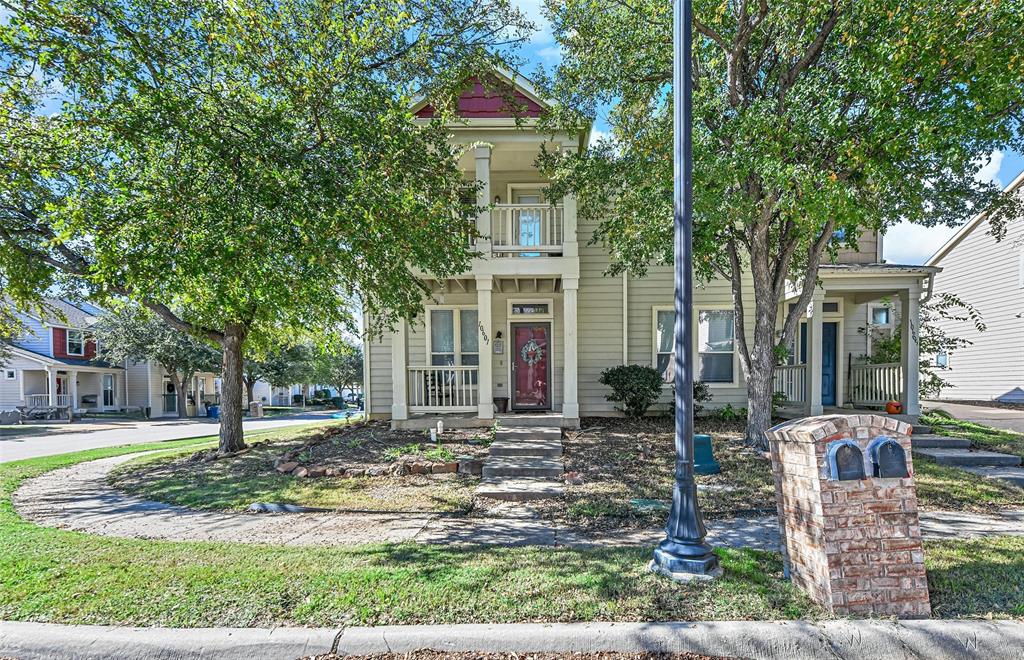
43,400
443,389
875,384
791,380
526,230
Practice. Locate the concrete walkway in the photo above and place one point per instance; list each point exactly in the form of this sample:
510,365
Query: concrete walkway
108,433
761,640
78,498
1008,419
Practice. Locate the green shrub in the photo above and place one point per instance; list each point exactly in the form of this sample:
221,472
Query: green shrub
728,414
701,394
635,386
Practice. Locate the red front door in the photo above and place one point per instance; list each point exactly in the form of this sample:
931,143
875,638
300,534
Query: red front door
531,366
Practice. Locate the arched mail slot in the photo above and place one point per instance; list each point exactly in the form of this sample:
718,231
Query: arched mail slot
845,461
888,459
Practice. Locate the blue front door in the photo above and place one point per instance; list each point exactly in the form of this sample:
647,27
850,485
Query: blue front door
829,357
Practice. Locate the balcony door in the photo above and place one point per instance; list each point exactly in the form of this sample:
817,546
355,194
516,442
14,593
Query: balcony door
528,220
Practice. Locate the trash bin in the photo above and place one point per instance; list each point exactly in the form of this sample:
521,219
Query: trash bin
338,402
213,412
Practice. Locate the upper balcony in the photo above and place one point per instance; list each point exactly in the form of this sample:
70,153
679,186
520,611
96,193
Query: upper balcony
527,230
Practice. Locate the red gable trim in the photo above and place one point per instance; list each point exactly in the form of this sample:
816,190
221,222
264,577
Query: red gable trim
491,100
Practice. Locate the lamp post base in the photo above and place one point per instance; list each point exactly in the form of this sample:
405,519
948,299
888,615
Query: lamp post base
685,562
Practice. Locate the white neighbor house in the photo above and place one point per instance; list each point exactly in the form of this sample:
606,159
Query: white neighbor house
989,275
536,320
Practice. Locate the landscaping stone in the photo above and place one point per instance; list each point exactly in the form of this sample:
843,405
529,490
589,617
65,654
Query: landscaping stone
377,471
444,468
419,468
471,466
286,468
400,469
317,471
353,473
300,472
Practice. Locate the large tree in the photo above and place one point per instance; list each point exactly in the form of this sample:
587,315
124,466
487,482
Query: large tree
134,334
813,120
339,365
244,169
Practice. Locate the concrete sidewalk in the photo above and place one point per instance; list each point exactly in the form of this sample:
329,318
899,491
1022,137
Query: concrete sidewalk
1008,419
95,434
791,640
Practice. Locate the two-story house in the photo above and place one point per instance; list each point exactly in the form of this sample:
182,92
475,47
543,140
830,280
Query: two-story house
52,362
988,275
533,323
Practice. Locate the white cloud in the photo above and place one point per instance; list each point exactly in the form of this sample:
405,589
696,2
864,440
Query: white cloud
595,135
534,12
553,52
908,243
989,172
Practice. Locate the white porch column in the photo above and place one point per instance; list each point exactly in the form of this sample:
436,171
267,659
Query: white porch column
73,388
51,385
483,198
814,335
910,325
485,380
570,244
570,396
399,373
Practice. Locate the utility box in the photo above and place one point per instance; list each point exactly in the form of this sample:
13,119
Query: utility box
844,487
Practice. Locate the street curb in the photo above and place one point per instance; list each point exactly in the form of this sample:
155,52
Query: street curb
792,640
31,641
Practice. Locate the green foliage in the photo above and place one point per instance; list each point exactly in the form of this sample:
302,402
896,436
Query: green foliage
809,117
701,395
340,365
933,337
778,400
728,414
439,454
635,386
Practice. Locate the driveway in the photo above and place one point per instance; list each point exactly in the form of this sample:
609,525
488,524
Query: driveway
1000,418
108,433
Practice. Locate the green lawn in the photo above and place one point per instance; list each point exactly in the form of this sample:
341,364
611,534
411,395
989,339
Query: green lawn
981,436
237,482
69,577
977,578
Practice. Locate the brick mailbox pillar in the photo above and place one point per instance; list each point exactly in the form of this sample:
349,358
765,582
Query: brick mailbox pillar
847,506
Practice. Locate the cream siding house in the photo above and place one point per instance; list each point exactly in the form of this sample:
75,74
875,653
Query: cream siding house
989,275
534,322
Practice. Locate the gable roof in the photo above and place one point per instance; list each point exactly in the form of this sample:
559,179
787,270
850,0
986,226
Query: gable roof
482,98
60,313
968,227
21,351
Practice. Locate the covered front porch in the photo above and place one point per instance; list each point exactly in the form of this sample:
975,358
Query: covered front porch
84,389
489,345
856,315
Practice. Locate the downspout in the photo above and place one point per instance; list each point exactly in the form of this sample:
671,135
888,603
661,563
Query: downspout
625,317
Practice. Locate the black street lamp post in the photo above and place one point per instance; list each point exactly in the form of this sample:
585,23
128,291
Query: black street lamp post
683,554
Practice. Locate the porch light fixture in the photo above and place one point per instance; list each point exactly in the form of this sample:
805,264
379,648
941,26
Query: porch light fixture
684,555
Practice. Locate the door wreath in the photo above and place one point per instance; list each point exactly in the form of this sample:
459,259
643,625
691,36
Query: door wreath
531,353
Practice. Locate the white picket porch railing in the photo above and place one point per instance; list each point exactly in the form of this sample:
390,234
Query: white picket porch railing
43,400
443,389
526,230
875,384
791,379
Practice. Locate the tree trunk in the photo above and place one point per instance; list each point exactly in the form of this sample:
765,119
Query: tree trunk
231,436
305,394
179,394
250,386
760,388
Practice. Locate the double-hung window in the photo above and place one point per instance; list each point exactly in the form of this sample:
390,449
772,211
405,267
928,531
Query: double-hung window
454,337
76,342
715,335
664,330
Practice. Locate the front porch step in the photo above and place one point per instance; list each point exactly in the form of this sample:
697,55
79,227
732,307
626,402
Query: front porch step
535,448
521,466
529,433
1010,475
920,429
965,457
533,420
519,490
932,441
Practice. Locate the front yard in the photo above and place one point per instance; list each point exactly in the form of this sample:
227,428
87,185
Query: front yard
371,455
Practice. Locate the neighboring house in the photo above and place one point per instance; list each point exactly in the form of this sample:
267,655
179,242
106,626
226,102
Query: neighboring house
989,275
52,362
536,320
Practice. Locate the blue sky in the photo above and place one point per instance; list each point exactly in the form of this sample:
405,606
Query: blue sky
904,243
